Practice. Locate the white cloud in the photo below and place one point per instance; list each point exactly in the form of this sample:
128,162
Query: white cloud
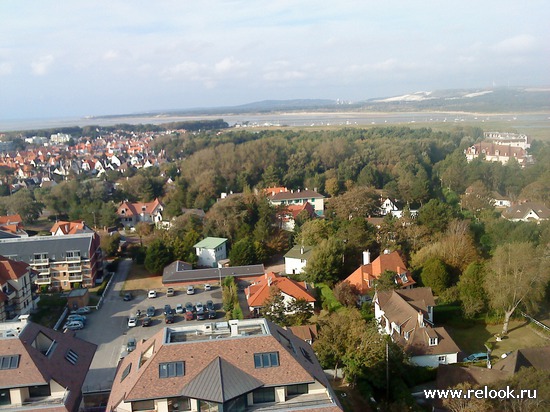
284,75
229,64
110,55
5,69
517,44
40,67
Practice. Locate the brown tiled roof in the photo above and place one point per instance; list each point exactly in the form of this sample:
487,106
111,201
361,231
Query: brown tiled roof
449,376
11,269
520,211
143,381
35,368
538,358
305,332
70,228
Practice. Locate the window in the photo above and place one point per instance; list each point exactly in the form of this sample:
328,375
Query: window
266,360
126,372
5,398
263,395
297,389
171,369
407,335
433,341
148,405
71,356
39,391
442,359
9,362
179,404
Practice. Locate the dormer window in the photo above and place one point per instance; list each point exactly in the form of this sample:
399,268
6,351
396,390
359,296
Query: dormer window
266,360
407,335
433,342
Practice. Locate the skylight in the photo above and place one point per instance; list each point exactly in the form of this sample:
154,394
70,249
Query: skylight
9,362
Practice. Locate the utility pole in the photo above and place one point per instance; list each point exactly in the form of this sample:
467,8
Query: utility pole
387,372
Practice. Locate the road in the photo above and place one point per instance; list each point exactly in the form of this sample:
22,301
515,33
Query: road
108,327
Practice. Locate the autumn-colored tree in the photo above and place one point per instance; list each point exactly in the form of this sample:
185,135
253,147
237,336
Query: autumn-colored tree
346,293
471,290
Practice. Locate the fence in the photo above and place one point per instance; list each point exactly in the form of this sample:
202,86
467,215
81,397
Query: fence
536,322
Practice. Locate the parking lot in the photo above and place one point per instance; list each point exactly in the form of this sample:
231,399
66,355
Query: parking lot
108,326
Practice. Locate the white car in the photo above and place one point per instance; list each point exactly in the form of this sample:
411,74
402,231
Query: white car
132,321
74,325
152,294
190,290
81,311
207,286
179,308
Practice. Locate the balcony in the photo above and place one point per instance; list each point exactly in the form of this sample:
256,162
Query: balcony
43,280
42,261
73,258
43,271
74,269
46,402
10,293
75,278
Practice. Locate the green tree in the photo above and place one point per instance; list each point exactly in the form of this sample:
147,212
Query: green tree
300,312
517,277
23,203
346,293
158,256
326,262
274,308
386,281
110,244
107,215
358,202
435,215
435,275
243,252
471,291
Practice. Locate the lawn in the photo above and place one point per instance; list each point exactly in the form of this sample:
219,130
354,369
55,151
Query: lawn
139,280
473,339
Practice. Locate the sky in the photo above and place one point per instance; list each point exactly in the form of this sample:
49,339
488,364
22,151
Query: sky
88,58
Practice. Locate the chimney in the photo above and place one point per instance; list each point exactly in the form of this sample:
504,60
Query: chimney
420,318
269,281
399,270
366,257
314,189
386,251
302,250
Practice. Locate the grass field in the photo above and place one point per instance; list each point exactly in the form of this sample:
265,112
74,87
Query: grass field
474,338
139,280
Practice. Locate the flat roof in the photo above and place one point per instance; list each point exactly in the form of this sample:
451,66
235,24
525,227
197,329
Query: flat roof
211,242
171,274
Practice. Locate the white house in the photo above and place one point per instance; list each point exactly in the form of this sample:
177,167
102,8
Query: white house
211,250
282,196
296,259
407,316
527,212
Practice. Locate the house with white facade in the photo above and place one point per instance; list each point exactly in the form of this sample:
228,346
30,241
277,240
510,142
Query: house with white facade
131,213
282,196
407,316
527,212
15,288
296,259
210,251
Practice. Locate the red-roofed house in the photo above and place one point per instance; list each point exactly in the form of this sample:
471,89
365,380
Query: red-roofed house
366,275
12,226
130,213
62,228
288,215
15,288
260,289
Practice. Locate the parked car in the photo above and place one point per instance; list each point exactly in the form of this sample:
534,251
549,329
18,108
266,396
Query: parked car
189,315
78,318
151,311
189,307
211,314
74,325
207,286
131,344
169,318
179,308
128,297
210,305
81,311
167,309
476,357
170,292
152,294
200,311
132,321
190,290
146,321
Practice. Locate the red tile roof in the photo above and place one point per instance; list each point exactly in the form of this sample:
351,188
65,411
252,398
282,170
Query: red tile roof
12,270
260,289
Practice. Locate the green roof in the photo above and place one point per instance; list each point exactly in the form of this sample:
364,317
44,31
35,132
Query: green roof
295,252
211,242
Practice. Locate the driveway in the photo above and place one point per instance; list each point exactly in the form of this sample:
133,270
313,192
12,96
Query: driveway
108,327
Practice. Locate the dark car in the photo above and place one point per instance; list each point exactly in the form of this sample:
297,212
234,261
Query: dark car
169,318
189,307
128,297
167,309
131,344
211,314
151,311
146,321
210,305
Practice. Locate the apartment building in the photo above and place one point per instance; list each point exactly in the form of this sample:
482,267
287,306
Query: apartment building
41,369
62,262
15,288
240,365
